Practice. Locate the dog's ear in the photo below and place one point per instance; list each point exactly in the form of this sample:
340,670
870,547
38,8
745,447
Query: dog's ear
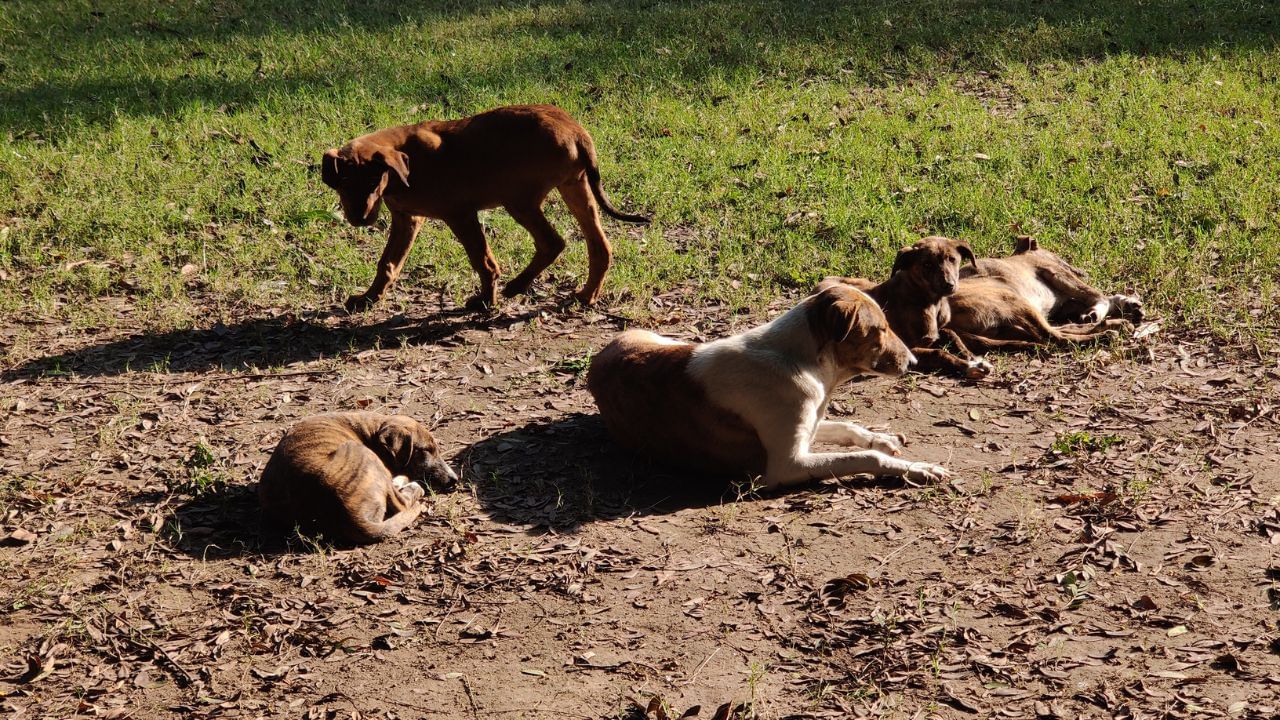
903,260
376,194
966,252
329,168
1024,244
396,443
838,311
397,161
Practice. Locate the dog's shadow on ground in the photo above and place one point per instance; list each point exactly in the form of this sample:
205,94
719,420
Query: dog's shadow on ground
227,523
566,473
260,343
215,524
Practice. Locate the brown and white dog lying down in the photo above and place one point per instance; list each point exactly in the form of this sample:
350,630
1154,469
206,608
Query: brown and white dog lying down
754,403
510,157
1017,303
355,477
915,300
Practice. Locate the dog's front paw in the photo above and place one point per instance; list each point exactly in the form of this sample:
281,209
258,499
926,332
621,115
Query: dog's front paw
481,302
586,297
517,286
359,303
1128,307
888,444
978,368
927,472
411,490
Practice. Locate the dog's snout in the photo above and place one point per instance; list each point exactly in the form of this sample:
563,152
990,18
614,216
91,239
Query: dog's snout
445,474
911,359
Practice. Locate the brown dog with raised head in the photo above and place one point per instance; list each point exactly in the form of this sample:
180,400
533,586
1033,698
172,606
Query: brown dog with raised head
510,157
355,476
754,403
1016,303
914,299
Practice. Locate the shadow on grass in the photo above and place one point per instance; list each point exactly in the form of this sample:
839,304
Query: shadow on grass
624,45
569,472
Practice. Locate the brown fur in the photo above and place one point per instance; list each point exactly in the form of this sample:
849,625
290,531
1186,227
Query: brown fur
856,332
350,475
915,301
652,406
652,403
1011,303
510,157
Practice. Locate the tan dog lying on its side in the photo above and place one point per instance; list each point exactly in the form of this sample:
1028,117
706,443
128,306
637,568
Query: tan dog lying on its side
354,476
1017,302
510,157
754,403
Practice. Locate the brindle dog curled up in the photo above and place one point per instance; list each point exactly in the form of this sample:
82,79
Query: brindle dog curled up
355,477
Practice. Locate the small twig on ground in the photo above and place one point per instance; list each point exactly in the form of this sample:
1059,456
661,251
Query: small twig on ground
694,678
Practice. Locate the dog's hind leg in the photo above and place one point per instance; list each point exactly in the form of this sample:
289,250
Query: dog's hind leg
1077,301
547,244
369,521
577,195
469,232
373,531
982,343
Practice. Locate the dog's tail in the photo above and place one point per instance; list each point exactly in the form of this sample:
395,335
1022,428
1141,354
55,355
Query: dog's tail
588,154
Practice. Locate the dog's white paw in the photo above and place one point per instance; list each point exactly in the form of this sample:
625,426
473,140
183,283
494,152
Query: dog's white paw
1128,307
410,489
978,368
888,444
927,472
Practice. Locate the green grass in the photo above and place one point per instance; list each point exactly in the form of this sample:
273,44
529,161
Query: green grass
1082,441
774,142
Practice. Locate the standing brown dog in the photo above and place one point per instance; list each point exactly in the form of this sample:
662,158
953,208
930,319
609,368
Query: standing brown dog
510,157
354,476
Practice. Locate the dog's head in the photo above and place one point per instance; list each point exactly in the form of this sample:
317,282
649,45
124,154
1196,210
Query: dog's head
407,448
362,172
932,265
848,323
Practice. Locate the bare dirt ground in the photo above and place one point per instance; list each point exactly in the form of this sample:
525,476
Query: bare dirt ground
1109,548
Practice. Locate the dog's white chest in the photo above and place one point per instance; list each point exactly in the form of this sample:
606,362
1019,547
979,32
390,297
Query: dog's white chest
1042,298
